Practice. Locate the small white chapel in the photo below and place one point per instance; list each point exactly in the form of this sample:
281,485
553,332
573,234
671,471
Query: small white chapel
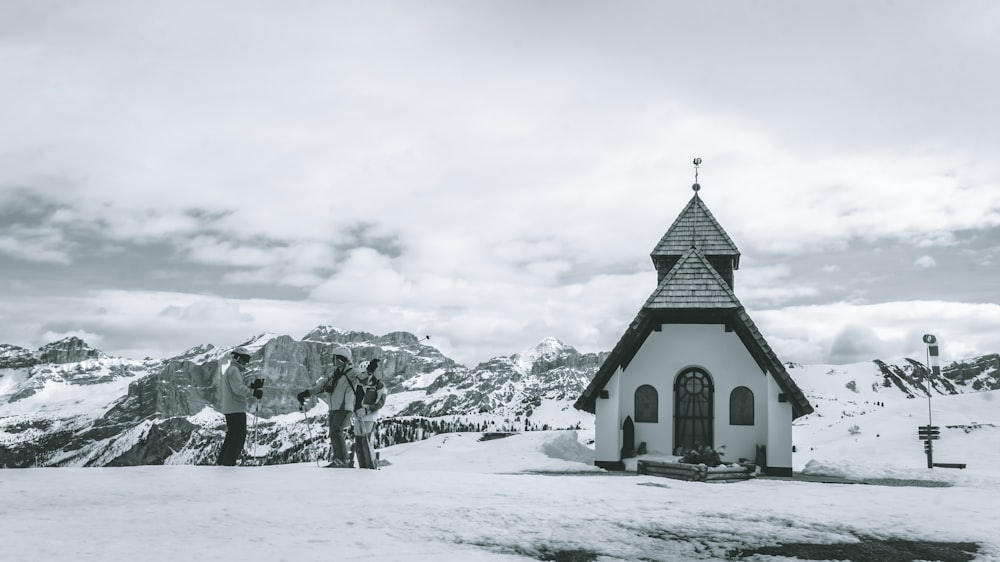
692,369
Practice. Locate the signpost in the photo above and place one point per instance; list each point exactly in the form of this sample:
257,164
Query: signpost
930,433
927,434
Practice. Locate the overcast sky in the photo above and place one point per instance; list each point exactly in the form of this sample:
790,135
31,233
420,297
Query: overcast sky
490,173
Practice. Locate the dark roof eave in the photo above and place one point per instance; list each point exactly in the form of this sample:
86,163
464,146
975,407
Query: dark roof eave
746,330
769,362
620,356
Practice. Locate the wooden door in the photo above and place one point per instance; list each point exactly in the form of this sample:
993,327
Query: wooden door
694,417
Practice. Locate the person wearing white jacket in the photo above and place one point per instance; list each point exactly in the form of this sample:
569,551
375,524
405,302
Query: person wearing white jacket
234,392
339,386
369,397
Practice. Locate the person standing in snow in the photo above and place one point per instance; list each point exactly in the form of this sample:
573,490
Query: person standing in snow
369,397
235,391
340,387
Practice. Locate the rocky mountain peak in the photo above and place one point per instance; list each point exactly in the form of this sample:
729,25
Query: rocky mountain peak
68,350
197,352
14,357
323,334
551,345
258,342
399,339
550,350
331,335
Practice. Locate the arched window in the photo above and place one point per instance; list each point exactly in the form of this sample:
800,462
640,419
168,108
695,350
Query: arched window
646,404
741,406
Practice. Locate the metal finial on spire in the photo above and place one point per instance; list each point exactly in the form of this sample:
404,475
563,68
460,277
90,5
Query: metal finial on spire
696,186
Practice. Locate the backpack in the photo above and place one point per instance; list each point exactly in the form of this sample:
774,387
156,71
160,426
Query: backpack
366,393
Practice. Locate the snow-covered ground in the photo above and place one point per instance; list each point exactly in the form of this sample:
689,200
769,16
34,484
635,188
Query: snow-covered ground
532,496
871,431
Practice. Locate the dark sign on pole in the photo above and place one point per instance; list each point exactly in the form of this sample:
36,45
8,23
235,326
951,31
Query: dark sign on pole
925,432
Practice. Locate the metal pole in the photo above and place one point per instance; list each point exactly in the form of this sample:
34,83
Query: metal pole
256,416
302,408
927,384
933,368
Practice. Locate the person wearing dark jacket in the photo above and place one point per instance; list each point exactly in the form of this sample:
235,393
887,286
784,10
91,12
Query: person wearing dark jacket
235,392
339,385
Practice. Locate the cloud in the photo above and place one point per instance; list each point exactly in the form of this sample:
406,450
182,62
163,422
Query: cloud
208,312
477,326
365,277
844,332
340,147
94,340
772,286
458,173
925,262
854,343
129,323
263,261
934,239
35,244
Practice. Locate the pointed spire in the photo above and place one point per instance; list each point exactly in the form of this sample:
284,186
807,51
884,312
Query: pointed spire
695,220
695,227
696,187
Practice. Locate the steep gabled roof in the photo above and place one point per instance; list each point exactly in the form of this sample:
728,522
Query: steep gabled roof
692,283
696,226
692,292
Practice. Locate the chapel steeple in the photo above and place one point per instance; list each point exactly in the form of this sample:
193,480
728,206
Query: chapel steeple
695,227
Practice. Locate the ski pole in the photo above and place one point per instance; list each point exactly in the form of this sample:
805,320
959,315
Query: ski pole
302,408
256,416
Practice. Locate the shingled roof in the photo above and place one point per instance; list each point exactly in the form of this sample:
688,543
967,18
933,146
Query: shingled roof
696,226
692,283
693,292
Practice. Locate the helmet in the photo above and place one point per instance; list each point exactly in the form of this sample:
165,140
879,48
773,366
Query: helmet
342,352
241,353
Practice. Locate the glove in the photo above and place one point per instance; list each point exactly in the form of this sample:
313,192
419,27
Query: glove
258,393
372,365
257,383
301,397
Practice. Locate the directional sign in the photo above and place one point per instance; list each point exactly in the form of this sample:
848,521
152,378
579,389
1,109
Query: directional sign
929,432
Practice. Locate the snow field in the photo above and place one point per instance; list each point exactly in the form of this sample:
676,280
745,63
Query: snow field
454,498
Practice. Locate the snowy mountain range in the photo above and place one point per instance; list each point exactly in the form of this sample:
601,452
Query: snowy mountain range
67,404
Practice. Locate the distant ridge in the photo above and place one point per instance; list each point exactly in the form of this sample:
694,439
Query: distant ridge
69,404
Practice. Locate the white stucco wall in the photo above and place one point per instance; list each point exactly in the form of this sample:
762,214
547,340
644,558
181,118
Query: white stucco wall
779,429
662,357
607,431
